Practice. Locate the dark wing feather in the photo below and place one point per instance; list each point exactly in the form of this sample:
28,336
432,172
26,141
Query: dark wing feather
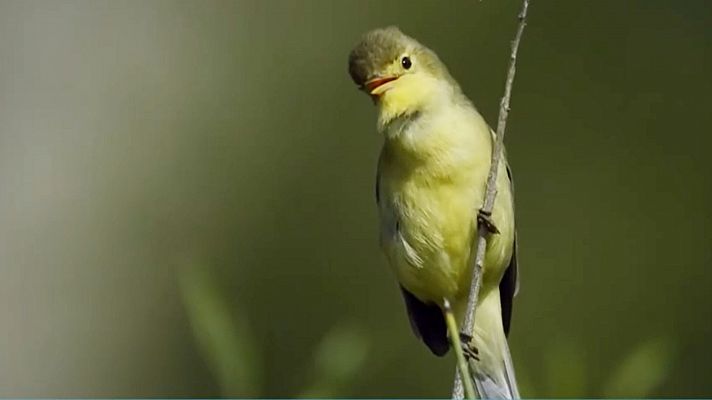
378,189
507,290
509,285
428,323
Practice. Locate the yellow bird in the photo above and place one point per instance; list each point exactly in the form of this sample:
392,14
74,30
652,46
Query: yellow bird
430,185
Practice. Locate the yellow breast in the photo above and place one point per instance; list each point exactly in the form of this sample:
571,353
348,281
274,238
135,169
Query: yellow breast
431,177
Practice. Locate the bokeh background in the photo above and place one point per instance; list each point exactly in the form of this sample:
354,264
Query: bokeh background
186,197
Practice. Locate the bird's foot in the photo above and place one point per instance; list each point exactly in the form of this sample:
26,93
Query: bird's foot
484,218
468,347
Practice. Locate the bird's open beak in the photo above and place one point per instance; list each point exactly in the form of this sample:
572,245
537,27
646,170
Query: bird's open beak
372,85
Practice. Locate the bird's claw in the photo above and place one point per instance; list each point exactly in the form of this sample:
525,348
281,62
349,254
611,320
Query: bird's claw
468,348
484,218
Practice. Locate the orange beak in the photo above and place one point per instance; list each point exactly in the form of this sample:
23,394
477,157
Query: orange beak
375,83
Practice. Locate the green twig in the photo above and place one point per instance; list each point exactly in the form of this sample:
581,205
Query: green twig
457,347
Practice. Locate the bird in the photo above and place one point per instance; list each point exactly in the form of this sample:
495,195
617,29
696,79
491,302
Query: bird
430,186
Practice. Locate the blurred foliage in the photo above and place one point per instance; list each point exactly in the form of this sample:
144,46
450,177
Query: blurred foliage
222,332
641,372
230,349
565,373
337,360
186,197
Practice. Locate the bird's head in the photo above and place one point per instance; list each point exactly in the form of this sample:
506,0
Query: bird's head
399,73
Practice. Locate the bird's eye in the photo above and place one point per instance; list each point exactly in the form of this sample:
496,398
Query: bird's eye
406,63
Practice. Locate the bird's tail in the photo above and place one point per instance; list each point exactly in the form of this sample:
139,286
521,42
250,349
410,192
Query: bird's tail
493,373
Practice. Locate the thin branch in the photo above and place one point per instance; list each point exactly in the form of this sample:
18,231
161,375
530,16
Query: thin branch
491,190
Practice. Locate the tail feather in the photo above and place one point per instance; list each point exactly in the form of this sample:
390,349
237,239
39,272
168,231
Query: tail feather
493,373
509,370
503,386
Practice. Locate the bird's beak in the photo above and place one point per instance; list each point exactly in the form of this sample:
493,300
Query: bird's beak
374,84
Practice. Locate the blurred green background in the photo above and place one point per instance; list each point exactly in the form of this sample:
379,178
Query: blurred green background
186,197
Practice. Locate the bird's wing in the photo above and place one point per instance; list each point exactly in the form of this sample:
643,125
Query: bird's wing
509,285
378,187
427,322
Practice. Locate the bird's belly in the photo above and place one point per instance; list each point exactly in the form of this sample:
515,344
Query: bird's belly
428,239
